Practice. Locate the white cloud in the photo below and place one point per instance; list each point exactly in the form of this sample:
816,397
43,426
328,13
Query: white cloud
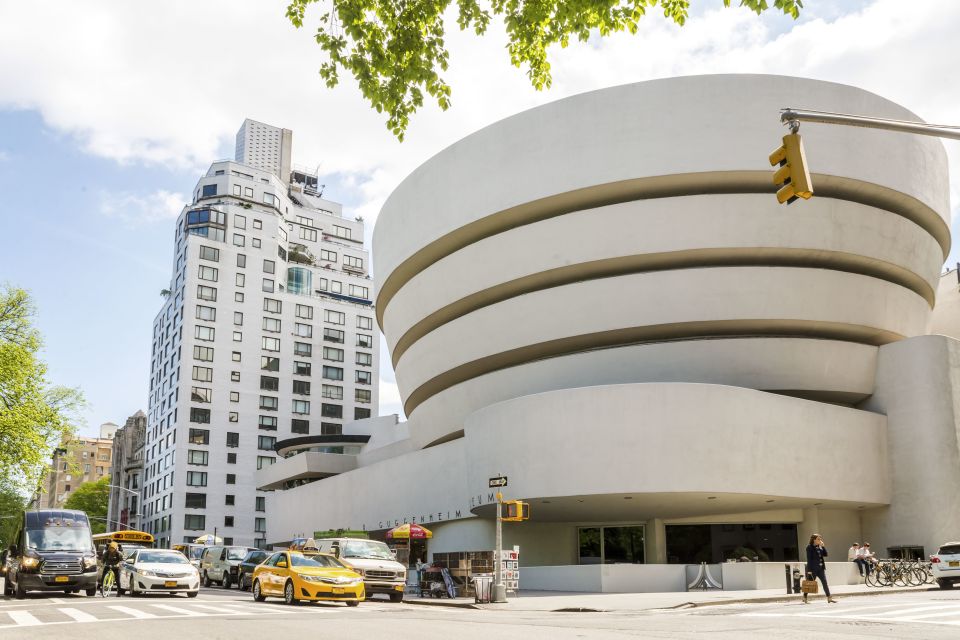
136,209
4,156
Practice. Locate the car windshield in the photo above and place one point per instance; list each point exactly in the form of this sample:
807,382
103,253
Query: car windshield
315,561
366,549
196,552
950,550
236,553
59,538
162,557
255,557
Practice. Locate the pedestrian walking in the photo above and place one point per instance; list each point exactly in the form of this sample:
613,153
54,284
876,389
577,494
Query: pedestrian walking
816,565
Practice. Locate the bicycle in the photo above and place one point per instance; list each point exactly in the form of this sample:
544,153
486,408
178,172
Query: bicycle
109,586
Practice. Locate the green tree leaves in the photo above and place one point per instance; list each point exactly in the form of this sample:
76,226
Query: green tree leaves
34,416
395,49
92,497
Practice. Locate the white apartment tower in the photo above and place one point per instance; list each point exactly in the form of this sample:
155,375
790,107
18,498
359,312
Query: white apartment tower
265,147
267,333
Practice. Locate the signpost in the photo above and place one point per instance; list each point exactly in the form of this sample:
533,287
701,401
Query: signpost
499,589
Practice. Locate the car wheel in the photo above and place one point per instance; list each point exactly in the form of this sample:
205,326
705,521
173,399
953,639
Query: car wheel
352,603
288,593
19,592
206,580
944,584
257,594
91,592
193,594
240,583
7,589
396,597
225,583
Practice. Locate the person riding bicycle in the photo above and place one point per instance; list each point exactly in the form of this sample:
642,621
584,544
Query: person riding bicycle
112,557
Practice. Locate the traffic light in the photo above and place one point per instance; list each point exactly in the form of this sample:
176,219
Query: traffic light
792,177
514,511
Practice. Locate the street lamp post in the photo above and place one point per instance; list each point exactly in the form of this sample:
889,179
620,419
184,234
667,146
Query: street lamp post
136,493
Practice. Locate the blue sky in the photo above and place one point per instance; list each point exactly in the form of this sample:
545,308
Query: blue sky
99,148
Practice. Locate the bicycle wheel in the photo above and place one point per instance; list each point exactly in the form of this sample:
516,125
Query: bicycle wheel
109,587
902,577
871,579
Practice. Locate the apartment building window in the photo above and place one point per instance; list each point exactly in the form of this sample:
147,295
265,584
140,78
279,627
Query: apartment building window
229,500
333,335
260,504
364,359
231,478
233,439
248,192
298,425
271,344
334,317
360,414
359,292
272,306
301,387
269,363
268,285
196,478
352,261
231,458
364,322
260,525
362,395
236,356
239,240
269,383
234,396
268,423
238,296
265,461
196,456
208,273
329,256
331,429
303,349
203,353
269,266
304,311
332,392
194,522
234,376
257,224
301,407
332,353
238,318
196,501
240,280
206,334
270,403
342,232
333,373
363,377
336,286
363,340
302,330
256,243
209,253
308,234
199,436
206,293
305,221
237,191
266,443
331,410
271,324
206,313
233,416
200,394
241,260
301,368
227,522
240,222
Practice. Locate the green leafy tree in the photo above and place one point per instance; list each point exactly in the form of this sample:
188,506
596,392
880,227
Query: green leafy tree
12,504
34,415
396,51
92,497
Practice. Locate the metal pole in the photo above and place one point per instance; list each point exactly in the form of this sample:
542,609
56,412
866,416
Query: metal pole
788,116
499,589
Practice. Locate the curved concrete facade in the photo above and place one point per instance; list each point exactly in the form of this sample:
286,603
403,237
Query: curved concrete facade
601,299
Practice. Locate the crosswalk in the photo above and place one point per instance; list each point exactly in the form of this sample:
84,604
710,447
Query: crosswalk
921,612
59,612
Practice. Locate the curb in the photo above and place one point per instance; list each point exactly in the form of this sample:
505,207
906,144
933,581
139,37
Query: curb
796,597
440,602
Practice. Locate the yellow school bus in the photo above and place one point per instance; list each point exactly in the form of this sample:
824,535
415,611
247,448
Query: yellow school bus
129,540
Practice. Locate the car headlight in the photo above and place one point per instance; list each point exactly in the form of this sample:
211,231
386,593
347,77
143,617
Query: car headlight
29,562
147,573
90,562
312,578
357,570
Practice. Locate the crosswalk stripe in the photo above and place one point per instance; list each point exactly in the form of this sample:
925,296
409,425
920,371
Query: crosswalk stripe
181,611
217,609
76,614
136,613
908,611
23,618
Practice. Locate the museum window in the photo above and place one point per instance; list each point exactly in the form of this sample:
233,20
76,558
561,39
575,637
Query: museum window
611,545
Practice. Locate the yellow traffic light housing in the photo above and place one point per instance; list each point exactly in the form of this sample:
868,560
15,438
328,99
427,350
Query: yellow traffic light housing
792,177
514,511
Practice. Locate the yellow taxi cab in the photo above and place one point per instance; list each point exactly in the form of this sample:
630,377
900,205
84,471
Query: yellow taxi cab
293,576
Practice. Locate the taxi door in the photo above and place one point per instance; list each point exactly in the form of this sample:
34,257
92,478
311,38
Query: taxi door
279,573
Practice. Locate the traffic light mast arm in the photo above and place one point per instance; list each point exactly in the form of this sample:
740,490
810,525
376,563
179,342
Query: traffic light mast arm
794,117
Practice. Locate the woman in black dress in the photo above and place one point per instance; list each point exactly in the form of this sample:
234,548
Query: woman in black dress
816,565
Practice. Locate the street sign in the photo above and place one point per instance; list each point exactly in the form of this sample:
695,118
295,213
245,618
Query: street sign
499,481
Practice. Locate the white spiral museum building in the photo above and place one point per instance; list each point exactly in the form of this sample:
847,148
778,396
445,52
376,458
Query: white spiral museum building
601,299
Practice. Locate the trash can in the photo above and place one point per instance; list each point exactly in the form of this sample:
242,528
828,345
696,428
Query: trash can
482,588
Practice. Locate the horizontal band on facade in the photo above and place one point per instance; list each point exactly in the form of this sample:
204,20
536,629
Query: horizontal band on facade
667,261
705,183
675,331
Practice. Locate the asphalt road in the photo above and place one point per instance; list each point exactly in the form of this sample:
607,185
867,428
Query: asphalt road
217,614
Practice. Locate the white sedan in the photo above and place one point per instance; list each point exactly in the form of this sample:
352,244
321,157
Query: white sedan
159,571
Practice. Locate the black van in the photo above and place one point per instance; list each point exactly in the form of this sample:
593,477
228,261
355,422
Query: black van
53,551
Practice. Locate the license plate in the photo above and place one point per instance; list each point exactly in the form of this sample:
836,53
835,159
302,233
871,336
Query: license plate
170,583
61,579
337,591
954,563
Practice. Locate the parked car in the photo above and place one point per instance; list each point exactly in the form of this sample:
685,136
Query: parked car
946,565
159,570
294,577
373,560
220,564
246,567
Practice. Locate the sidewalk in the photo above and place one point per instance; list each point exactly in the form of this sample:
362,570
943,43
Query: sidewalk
626,602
